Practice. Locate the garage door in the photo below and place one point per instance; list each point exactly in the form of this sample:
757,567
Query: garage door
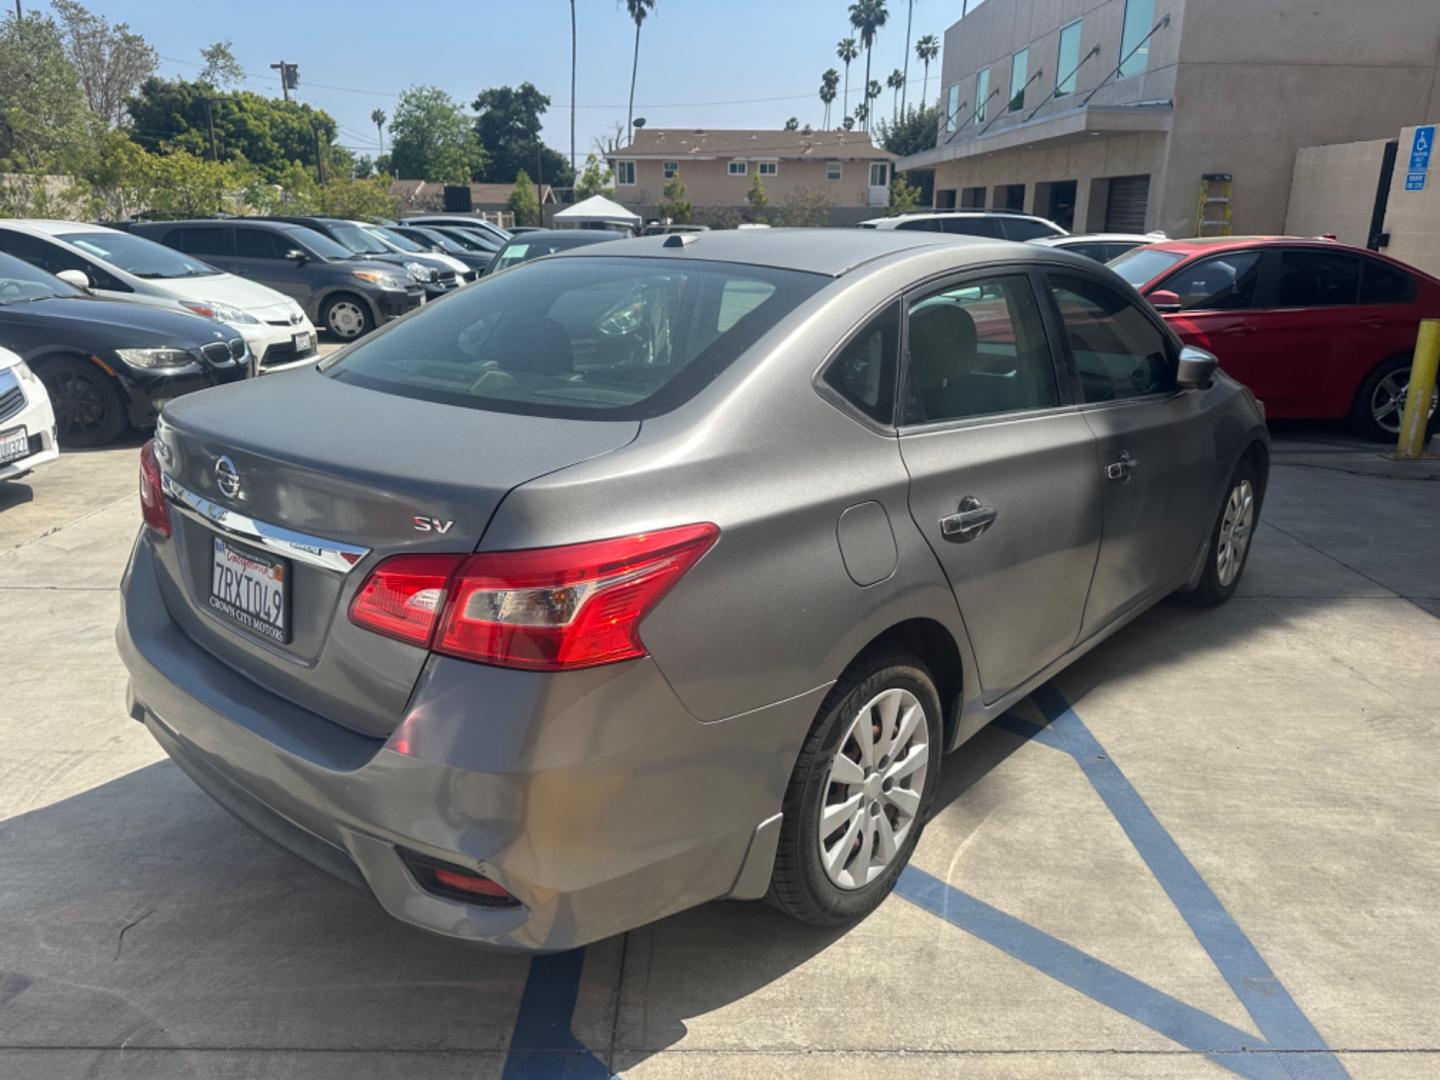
1125,207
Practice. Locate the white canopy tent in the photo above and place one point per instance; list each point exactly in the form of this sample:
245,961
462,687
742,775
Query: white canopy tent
595,211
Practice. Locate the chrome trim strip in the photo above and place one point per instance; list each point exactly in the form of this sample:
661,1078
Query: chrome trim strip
302,547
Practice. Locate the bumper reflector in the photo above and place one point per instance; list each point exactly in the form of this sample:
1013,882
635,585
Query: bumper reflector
455,882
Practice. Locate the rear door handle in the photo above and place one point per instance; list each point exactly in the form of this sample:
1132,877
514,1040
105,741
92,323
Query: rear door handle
1122,467
970,521
1375,324
1239,331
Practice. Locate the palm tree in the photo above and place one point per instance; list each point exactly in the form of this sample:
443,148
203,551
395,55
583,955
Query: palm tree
896,82
926,50
846,50
872,92
862,113
638,10
572,85
377,117
909,17
868,16
849,122
829,82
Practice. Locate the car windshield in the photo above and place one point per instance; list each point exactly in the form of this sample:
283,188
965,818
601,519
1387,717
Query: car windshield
472,241
522,250
139,256
20,282
602,338
435,236
357,240
318,243
404,243
1144,264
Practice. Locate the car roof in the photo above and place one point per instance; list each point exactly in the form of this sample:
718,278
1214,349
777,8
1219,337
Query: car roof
568,236
50,227
1193,244
1097,238
832,252
925,215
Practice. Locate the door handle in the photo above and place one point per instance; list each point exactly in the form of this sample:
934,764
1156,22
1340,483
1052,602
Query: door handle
1122,468
970,521
1375,324
1239,331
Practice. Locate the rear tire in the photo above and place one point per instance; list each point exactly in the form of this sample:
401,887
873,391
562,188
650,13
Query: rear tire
1379,403
347,317
852,815
1230,539
89,410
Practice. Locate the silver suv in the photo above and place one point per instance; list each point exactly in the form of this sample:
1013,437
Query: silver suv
995,224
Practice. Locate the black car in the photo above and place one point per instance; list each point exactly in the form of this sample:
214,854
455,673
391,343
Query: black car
110,364
434,276
462,221
429,239
346,295
532,245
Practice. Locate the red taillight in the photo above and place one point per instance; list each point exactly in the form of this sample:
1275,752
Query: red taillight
544,609
152,494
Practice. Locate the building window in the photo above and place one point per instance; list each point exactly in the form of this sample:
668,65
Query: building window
982,94
879,174
738,168
672,169
625,173
768,168
1019,73
973,198
834,170
1138,16
952,107
1068,59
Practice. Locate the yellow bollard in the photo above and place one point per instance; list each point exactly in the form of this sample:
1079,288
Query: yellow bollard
1416,418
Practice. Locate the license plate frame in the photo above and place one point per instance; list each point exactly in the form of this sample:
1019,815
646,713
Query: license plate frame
302,342
245,597
14,444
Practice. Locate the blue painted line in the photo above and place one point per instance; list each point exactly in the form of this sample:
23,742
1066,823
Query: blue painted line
542,1046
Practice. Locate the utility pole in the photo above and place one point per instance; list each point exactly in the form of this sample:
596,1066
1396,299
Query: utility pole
319,155
289,76
210,118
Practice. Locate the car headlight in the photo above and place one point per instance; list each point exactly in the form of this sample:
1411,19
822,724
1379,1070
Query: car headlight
226,313
379,280
156,358
24,374
419,271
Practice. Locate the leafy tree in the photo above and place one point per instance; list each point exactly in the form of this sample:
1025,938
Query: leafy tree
594,178
849,122
913,133
188,186
43,117
904,196
862,113
829,83
430,138
846,50
756,196
638,10
895,82
793,124
360,198
867,17
221,68
523,202
926,50
508,127
364,167
805,208
110,60
675,204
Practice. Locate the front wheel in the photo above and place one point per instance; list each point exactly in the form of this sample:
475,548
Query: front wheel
1380,402
87,403
347,317
860,792
1229,540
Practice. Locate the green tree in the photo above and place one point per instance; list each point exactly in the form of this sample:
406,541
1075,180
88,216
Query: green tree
364,167
913,133
594,178
221,68
904,196
356,198
829,83
508,127
377,117
926,50
793,124
676,204
846,50
110,60
867,17
896,82
805,208
44,120
430,138
756,197
188,186
638,10
523,202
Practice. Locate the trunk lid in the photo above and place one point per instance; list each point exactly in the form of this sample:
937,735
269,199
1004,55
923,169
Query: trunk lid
357,469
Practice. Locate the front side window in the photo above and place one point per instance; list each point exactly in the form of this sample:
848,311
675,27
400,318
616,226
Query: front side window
600,338
258,244
1019,73
769,168
738,168
199,239
982,94
311,242
1134,57
358,240
864,372
952,106
834,170
671,169
1067,60
978,349
1228,282
1145,264
1119,353
625,173
1318,279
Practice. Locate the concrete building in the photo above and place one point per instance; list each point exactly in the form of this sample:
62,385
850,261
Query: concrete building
1107,114
718,167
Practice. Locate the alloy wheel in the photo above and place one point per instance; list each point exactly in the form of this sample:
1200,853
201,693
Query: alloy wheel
1387,401
874,788
345,319
79,402
1236,526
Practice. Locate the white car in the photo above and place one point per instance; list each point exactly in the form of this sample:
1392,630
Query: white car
1102,247
27,422
124,266
405,246
996,224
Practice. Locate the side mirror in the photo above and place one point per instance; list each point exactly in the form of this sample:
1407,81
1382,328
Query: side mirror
1197,369
74,277
296,255
1163,300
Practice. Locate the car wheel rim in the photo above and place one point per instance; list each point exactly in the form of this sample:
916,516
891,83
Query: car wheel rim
346,319
79,404
1236,525
1387,403
873,790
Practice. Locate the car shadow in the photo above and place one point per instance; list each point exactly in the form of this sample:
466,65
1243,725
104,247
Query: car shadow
15,493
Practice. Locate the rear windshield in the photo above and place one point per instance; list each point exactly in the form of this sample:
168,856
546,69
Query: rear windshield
600,338
1144,264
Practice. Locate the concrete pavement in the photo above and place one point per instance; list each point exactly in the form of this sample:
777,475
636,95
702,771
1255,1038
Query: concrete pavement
1254,782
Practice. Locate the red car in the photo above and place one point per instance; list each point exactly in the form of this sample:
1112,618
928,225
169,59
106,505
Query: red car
1314,328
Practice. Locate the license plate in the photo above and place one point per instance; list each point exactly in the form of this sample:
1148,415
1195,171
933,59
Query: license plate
250,589
14,443
304,342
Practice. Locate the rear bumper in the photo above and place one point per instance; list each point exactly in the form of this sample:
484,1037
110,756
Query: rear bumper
594,798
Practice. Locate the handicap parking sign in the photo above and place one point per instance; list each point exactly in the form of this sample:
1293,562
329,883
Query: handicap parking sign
1419,158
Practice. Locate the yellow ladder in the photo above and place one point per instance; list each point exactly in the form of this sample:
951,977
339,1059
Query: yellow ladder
1212,209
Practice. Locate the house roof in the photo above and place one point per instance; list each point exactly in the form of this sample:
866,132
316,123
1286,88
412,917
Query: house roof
412,191
671,144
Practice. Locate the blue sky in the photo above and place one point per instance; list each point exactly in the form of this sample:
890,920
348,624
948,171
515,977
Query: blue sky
694,55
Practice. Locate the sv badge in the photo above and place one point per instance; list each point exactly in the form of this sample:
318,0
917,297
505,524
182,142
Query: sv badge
429,524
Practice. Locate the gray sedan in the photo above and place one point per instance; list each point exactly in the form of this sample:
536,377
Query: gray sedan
657,572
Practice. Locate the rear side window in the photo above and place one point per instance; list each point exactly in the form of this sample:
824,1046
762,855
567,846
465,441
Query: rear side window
1228,282
920,225
864,372
1024,229
1119,353
600,338
1318,278
1090,251
198,240
257,244
972,226
1381,283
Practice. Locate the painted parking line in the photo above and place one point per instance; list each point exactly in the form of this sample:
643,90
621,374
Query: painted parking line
542,1046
